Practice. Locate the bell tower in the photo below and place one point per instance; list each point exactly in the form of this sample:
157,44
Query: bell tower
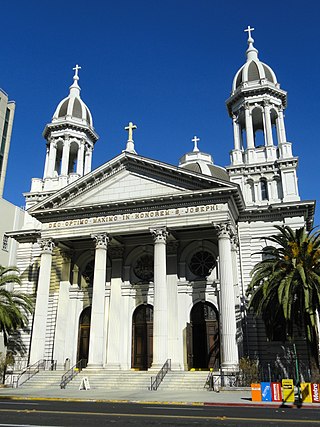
70,138
261,160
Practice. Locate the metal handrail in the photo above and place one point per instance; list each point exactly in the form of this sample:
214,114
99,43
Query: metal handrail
72,372
160,375
31,370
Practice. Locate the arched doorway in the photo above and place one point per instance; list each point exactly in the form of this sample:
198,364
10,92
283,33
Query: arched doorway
84,334
203,337
142,337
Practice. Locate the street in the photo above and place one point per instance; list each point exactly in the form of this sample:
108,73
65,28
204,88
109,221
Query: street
64,413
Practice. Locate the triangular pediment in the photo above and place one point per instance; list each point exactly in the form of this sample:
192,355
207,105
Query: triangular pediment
129,177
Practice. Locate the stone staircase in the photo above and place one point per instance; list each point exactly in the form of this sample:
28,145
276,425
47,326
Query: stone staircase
184,380
43,380
102,379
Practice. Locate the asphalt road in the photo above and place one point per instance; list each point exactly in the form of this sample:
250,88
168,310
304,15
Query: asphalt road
61,413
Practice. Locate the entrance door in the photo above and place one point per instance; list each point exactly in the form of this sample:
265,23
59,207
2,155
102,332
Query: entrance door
205,336
142,337
84,335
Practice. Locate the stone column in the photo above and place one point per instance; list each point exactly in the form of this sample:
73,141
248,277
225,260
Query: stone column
87,160
65,157
230,358
80,159
236,132
249,128
267,118
115,310
97,329
52,159
37,350
46,163
281,126
160,320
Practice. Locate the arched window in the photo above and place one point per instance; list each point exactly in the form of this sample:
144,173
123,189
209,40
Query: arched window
264,190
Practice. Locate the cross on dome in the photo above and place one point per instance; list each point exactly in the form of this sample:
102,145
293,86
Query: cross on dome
195,140
76,69
130,128
248,30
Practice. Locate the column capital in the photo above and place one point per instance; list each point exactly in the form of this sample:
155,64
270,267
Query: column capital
159,234
46,245
101,240
223,230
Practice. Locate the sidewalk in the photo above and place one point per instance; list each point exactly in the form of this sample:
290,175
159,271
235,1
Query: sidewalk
241,397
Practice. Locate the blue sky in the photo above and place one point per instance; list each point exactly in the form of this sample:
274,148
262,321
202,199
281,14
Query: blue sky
165,65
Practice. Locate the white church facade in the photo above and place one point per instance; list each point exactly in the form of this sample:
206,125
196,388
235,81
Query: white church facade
139,261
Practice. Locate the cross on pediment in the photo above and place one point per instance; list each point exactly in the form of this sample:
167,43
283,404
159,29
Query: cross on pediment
130,128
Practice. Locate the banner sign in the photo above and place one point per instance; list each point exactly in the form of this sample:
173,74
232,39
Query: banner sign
266,392
288,390
315,388
276,392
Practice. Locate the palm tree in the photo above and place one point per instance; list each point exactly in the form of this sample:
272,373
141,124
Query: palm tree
285,285
14,306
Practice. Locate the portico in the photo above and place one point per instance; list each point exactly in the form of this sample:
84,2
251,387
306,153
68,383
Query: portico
167,257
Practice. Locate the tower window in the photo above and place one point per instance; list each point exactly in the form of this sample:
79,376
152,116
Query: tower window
264,190
5,243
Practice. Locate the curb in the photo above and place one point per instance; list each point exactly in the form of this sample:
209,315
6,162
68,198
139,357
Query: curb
162,402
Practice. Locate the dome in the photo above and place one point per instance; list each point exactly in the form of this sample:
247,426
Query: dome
197,161
72,107
253,71
211,170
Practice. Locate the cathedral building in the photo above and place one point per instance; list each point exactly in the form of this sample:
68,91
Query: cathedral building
139,261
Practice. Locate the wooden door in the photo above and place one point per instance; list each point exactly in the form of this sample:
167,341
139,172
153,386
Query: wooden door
205,337
84,335
142,337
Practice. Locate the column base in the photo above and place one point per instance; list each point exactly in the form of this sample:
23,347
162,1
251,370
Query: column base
94,366
113,367
230,368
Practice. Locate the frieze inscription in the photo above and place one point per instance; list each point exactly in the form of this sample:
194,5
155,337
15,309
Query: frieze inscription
136,216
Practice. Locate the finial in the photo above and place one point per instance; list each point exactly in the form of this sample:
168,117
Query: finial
130,144
74,88
252,52
195,140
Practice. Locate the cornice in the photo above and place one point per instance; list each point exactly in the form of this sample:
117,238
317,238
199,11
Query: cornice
232,197
70,125
161,172
256,90
281,211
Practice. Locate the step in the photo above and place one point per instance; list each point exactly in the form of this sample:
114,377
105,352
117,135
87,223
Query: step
44,379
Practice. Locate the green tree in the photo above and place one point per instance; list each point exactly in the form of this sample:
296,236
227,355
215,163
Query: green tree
15,306
285,285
